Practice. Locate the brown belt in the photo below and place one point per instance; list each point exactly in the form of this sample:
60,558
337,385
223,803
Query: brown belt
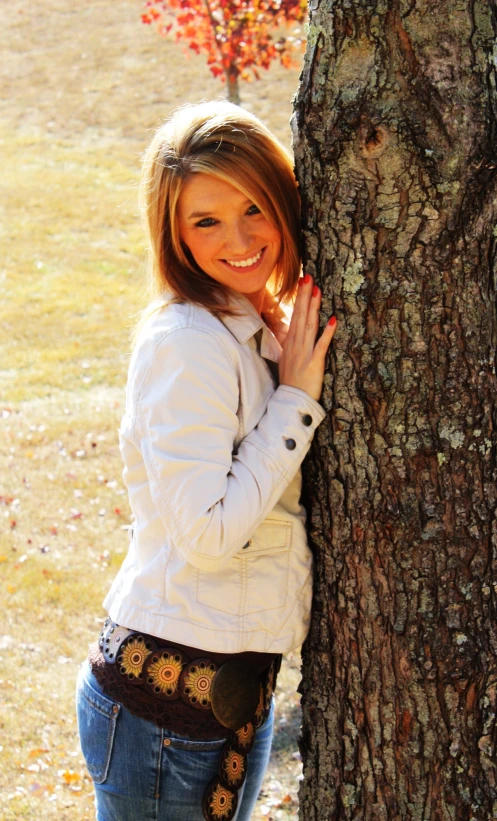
235,690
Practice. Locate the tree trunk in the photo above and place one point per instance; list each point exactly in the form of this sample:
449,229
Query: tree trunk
233,87
395,143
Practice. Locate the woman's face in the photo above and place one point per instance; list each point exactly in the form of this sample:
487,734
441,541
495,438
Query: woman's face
227,235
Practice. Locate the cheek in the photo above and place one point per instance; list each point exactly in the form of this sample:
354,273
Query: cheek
273,235
197,249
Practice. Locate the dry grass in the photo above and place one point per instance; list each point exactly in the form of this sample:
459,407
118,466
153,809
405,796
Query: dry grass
83,86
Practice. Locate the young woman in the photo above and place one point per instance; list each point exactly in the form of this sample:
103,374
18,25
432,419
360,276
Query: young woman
175,703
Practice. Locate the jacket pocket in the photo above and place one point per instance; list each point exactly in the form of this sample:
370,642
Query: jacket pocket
97,716
265,565
256,579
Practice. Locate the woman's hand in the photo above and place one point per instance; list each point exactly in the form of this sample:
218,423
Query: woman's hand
302,361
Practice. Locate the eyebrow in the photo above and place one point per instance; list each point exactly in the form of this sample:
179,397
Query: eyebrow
197,214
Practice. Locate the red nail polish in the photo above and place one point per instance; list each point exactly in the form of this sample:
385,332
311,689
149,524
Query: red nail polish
315,290
301,281
307,278
332,321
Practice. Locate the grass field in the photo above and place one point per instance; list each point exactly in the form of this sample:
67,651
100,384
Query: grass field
83,87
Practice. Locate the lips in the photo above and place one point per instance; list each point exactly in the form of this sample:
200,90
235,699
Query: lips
250,263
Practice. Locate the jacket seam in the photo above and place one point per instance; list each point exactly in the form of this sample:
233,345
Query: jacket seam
286,473
160,341
297,599
243,599
311,403
282,471
195,624
184,538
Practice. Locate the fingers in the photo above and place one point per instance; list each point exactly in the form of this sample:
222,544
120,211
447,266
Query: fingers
324,340
301,309
302,362
306,313
308,323
305,321
312,321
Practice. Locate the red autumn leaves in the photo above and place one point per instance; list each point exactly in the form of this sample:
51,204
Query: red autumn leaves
238,36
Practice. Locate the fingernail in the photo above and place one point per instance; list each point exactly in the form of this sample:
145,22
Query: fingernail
301,281
307,278
315,290
332,321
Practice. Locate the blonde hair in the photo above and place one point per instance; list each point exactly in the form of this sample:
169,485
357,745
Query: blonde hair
223,140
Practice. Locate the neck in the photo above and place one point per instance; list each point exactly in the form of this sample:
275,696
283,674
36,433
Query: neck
257,299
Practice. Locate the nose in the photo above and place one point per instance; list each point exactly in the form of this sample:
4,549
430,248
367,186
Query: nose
238,238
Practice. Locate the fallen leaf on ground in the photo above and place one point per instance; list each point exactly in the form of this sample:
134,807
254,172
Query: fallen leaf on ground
69,776
38,751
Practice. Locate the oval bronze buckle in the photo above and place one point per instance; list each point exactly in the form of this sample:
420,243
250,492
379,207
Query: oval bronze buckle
235,694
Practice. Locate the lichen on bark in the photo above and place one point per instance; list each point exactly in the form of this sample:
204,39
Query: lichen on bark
395,130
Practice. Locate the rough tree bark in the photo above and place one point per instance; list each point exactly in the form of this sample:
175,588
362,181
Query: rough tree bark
395,130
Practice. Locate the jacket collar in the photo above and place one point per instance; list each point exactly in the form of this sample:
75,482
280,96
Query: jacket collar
247,323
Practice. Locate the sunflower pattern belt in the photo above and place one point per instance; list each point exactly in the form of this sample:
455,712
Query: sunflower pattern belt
236,692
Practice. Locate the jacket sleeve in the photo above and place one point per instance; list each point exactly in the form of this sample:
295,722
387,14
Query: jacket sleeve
211,499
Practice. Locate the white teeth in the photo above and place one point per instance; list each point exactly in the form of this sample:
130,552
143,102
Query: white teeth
244,263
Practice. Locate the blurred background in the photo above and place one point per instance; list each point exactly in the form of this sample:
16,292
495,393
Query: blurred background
83,86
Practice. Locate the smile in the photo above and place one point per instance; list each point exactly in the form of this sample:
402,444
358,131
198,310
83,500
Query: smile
245,263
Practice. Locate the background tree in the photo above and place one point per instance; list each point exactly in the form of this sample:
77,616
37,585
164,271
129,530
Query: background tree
395,141
238,36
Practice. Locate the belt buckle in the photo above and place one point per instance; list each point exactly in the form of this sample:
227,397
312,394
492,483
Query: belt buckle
235,694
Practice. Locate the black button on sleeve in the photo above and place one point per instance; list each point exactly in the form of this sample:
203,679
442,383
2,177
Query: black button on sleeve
290,444
307,419
246,545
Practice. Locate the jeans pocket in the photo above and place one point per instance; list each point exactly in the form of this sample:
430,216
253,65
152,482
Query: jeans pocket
97,717
195,746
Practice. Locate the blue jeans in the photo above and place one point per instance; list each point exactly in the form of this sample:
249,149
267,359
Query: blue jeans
144,773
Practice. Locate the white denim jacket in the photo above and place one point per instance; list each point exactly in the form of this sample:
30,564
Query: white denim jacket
218,555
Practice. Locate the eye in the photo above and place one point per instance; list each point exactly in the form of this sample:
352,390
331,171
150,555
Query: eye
207,222
253,210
